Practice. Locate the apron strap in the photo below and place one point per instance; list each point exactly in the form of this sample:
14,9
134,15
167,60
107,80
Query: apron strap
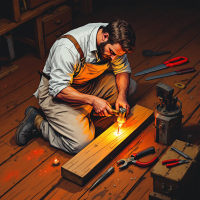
76,44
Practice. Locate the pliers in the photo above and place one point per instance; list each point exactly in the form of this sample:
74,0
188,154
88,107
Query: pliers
132,159
174,162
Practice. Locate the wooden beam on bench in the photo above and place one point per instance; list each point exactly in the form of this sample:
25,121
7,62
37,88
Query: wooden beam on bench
84,165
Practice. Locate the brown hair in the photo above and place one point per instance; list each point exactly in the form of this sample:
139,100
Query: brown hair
121,32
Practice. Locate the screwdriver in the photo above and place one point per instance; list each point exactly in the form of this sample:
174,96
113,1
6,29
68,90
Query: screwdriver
102,177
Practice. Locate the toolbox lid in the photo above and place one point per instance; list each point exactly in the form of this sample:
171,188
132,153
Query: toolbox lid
177,173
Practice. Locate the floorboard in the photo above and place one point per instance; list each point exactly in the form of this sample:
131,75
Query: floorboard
27,172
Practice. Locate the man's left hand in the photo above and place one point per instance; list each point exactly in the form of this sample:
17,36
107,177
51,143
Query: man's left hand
122,102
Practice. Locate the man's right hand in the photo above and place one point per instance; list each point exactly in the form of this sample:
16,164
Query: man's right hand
101,106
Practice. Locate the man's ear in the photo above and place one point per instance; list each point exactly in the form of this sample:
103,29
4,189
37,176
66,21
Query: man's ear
105,37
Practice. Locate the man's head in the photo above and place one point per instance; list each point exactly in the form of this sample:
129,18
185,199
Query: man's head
118,38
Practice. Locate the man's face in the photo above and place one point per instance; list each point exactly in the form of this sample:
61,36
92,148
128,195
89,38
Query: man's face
108,52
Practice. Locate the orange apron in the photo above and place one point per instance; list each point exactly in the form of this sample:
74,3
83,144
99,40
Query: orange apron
85,71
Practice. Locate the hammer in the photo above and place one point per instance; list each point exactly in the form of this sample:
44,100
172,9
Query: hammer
121,115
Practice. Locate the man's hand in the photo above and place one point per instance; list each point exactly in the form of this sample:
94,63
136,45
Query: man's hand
101,106
122,102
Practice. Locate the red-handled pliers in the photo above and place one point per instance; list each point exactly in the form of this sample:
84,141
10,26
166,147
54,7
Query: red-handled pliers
132,159
174,162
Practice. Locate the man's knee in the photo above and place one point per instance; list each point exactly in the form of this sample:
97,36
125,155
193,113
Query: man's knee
81,144
132,88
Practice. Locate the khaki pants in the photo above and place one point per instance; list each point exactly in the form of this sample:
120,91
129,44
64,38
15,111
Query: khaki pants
68,126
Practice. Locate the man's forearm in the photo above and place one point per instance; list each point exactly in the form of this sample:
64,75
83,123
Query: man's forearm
122,81
69,94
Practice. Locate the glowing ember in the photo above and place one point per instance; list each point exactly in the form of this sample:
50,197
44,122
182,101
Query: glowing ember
35,154
56,162
117,132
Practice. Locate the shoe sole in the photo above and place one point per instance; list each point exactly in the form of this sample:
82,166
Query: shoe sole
20,127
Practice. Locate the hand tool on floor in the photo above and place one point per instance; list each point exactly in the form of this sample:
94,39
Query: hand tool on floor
191,89
181,153
168,115
132,159
169,63
102,177
151,53
179,85
177,72
121,116
174,162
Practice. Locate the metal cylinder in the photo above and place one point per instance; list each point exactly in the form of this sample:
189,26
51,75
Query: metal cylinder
122,112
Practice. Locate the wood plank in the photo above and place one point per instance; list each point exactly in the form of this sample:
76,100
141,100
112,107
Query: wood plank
29,65
13,171
143,188
8,146
16,11
39,37
34,3
165,41
192,127
40,180
25,40
86,163
7,25
5,71
13,117
86,6
18,96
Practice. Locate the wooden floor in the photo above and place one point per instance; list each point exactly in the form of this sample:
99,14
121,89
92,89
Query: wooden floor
27,172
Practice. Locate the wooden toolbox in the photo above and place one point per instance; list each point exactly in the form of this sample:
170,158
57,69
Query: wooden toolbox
55,24
171,183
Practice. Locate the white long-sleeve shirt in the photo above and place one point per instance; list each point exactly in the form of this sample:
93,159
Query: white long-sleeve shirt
64,58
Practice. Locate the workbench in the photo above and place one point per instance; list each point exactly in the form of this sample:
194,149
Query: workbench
7,25
51,20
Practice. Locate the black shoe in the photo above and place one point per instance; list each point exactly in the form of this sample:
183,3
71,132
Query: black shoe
30,108
26,130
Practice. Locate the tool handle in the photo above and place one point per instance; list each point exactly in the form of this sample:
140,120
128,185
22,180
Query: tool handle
172,164
169,161
161,53
115,112
172,63
191,89
143,152
146,164
102,177
181,153
185,70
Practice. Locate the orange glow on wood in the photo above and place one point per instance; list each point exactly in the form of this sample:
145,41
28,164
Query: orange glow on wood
13,175
100,150
35,153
